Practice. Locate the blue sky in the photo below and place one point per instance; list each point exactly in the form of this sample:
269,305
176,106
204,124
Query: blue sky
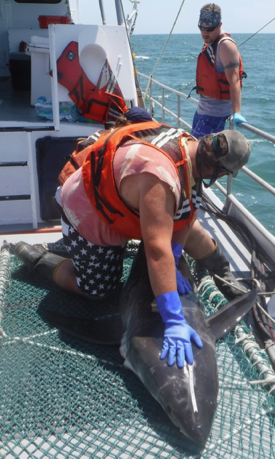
158,16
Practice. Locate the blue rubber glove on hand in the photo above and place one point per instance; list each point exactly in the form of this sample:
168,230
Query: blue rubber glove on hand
238,118
177,334
182,284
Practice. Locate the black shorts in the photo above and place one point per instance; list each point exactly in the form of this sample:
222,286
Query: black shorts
98,269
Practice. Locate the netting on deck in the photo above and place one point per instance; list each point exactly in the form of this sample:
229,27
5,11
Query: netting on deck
62,397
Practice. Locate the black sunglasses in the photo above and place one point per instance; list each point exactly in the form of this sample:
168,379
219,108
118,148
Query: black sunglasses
219,168
215,176
207,29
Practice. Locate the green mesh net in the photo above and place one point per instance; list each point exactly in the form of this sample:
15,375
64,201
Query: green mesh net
62,397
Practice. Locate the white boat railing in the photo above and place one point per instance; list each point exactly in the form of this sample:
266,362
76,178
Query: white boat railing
231,205
148,95
180,96
153,102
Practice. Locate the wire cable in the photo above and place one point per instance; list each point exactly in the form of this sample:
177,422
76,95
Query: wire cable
257,268
161,54
256,33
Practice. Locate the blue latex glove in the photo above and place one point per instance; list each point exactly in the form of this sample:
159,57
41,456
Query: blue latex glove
177,334
238,118
183,285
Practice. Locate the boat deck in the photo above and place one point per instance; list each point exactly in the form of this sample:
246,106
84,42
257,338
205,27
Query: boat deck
233,248
15,104
63,397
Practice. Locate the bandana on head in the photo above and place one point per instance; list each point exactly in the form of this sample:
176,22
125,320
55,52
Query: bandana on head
210,18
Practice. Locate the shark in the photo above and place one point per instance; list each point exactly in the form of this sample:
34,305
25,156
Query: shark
188,395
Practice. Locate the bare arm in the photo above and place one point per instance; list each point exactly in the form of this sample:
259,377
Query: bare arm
199,244
156,206
229,56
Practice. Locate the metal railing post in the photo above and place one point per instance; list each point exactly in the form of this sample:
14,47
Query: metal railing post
150,99
119,12
163,105
179,110
229,177
101,6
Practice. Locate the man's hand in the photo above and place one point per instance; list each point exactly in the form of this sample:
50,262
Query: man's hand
238,118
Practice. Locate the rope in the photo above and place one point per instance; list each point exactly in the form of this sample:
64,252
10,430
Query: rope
161,54
255,355
261,316
256,33
265,312
245,291
139,93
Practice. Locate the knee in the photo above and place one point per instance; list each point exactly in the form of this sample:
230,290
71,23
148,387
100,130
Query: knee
65,276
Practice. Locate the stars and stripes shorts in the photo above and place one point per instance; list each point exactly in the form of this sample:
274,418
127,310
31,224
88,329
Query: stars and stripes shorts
98,269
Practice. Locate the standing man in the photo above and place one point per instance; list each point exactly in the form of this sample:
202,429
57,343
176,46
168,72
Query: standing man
218,77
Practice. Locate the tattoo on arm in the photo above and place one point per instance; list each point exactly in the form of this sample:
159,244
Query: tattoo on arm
231,65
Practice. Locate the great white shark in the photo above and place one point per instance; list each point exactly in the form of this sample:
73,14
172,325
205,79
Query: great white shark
188,395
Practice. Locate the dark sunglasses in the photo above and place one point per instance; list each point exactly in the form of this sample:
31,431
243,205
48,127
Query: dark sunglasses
219,169
215,176
206,29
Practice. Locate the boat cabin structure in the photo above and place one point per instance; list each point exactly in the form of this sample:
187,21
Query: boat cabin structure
39,121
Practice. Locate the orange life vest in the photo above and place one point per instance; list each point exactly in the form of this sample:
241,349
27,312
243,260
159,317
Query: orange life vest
209,82
99,181
99,104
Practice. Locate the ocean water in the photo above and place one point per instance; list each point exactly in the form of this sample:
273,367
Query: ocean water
177,68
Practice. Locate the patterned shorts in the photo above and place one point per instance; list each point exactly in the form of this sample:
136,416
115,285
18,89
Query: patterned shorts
97,269
205,124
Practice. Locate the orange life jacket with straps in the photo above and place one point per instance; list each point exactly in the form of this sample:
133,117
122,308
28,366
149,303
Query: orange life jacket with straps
209,82
99,104
99,181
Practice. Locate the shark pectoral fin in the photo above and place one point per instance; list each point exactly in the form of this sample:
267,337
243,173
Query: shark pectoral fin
104,330
223,321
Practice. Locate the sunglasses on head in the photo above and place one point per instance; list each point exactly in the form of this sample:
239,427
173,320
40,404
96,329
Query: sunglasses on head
206,29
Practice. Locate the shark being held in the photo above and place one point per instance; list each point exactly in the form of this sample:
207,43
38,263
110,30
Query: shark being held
188,395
